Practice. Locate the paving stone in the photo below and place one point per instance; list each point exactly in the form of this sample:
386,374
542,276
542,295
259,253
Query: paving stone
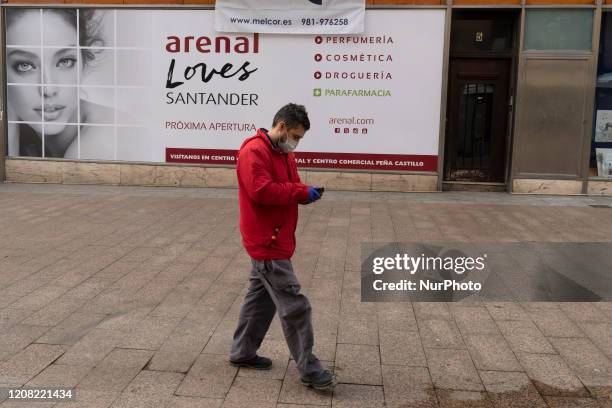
524,337
194,402
431,310
600,334
511,390
555,323
453,370
583,312
28,363
396,316
148,334
592,367
90,399
92,348
551,375
506,311
54,313
402,348
463,399
420,392
355,396
358,364
568,402
149,389
354,331
56,375
247,390
210,376
72,329
116,371
474,320
17,338
293,392
440,333
491,352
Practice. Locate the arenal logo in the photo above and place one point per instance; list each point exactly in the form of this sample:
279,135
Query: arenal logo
317,2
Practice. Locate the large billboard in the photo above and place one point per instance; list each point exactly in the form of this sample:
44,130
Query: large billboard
163,86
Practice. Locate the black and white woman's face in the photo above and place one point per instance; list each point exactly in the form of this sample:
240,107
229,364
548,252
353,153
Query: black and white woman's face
51,66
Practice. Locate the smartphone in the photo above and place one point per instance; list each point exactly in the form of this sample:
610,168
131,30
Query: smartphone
320,190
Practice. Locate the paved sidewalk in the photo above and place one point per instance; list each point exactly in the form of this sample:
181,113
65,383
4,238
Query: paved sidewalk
132,295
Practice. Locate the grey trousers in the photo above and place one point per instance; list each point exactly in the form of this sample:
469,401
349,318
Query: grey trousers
274,287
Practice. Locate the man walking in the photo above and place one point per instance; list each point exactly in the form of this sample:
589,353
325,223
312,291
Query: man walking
269,191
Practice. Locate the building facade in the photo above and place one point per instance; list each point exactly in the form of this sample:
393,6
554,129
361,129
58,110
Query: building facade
471,94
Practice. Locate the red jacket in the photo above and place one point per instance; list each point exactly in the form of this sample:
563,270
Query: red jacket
269,190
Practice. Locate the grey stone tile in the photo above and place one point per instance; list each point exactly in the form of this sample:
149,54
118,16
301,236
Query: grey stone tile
149,389
358,364
463,399
600,334
409,386
440,333
431,310
524,337
194,402
592,367
453,370
354,396
401,348
555,323
569,402
511,390
506,311
354,331
28,363
116,371
90,399
210,376
491,352
396,316
58,375
551,375
474,320
17,338
248,389
583,312
92,348
72,329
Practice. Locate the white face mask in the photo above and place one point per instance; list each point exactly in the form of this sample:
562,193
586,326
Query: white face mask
288,145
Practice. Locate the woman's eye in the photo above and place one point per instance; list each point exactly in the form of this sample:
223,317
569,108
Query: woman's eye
23,66
67,62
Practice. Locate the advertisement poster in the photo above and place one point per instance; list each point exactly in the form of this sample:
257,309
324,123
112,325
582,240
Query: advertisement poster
604,162
290,16
603,129
164,86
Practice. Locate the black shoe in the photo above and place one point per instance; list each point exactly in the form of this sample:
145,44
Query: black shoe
321,381
256,363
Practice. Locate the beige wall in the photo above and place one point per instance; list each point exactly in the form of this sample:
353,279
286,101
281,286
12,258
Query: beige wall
21,170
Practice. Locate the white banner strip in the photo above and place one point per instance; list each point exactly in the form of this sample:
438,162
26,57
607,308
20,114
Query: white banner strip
262,16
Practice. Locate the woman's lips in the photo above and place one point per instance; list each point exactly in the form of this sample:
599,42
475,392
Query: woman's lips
52,112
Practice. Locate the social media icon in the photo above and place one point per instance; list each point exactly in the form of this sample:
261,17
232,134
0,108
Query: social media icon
337,130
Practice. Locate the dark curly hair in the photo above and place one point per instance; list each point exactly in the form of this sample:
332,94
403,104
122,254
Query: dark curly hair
293,115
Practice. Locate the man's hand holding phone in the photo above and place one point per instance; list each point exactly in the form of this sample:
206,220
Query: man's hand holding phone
314,194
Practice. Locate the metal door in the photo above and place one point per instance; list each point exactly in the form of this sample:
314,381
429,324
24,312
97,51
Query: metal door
477,119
